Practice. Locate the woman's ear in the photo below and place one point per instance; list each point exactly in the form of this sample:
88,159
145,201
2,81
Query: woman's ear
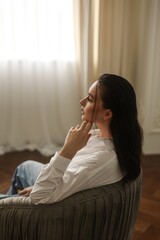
108,114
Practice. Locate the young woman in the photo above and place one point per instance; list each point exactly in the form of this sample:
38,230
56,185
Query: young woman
89,158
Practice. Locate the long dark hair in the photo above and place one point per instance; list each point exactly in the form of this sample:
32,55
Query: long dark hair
118,95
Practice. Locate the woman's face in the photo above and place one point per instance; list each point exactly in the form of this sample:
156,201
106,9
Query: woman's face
91,105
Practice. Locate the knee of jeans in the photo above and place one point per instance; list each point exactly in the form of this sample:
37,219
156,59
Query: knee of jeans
25,165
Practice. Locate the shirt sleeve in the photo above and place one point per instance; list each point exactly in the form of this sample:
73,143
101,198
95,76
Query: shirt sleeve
49,179
62,177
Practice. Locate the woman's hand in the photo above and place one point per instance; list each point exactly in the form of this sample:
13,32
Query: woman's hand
76,139
25,192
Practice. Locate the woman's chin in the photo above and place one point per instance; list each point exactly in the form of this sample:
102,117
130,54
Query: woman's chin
83,118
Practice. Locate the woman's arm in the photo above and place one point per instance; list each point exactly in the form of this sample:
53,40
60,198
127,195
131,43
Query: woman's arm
50,186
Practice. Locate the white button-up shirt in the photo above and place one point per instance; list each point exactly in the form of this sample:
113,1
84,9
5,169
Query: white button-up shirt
94,165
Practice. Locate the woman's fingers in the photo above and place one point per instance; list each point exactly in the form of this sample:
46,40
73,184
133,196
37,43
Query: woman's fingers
86,126
76,139
25,191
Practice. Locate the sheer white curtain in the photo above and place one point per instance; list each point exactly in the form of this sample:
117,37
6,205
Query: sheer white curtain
44,72
39,89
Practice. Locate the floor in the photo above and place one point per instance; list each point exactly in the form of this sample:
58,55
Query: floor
148,221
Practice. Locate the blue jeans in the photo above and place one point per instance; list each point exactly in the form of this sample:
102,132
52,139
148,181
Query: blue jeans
24,176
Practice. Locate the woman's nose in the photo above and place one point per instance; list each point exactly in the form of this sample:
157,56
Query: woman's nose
83,101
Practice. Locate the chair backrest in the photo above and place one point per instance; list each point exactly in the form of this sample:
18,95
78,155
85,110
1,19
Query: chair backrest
104,213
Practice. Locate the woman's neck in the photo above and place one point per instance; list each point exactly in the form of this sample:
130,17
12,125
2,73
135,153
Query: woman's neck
104,132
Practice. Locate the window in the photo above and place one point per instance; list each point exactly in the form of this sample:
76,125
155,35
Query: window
36,29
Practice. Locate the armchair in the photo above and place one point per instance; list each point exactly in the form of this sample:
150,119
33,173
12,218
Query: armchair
103,213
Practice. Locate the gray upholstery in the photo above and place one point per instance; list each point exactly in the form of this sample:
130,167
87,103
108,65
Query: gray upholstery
103,213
